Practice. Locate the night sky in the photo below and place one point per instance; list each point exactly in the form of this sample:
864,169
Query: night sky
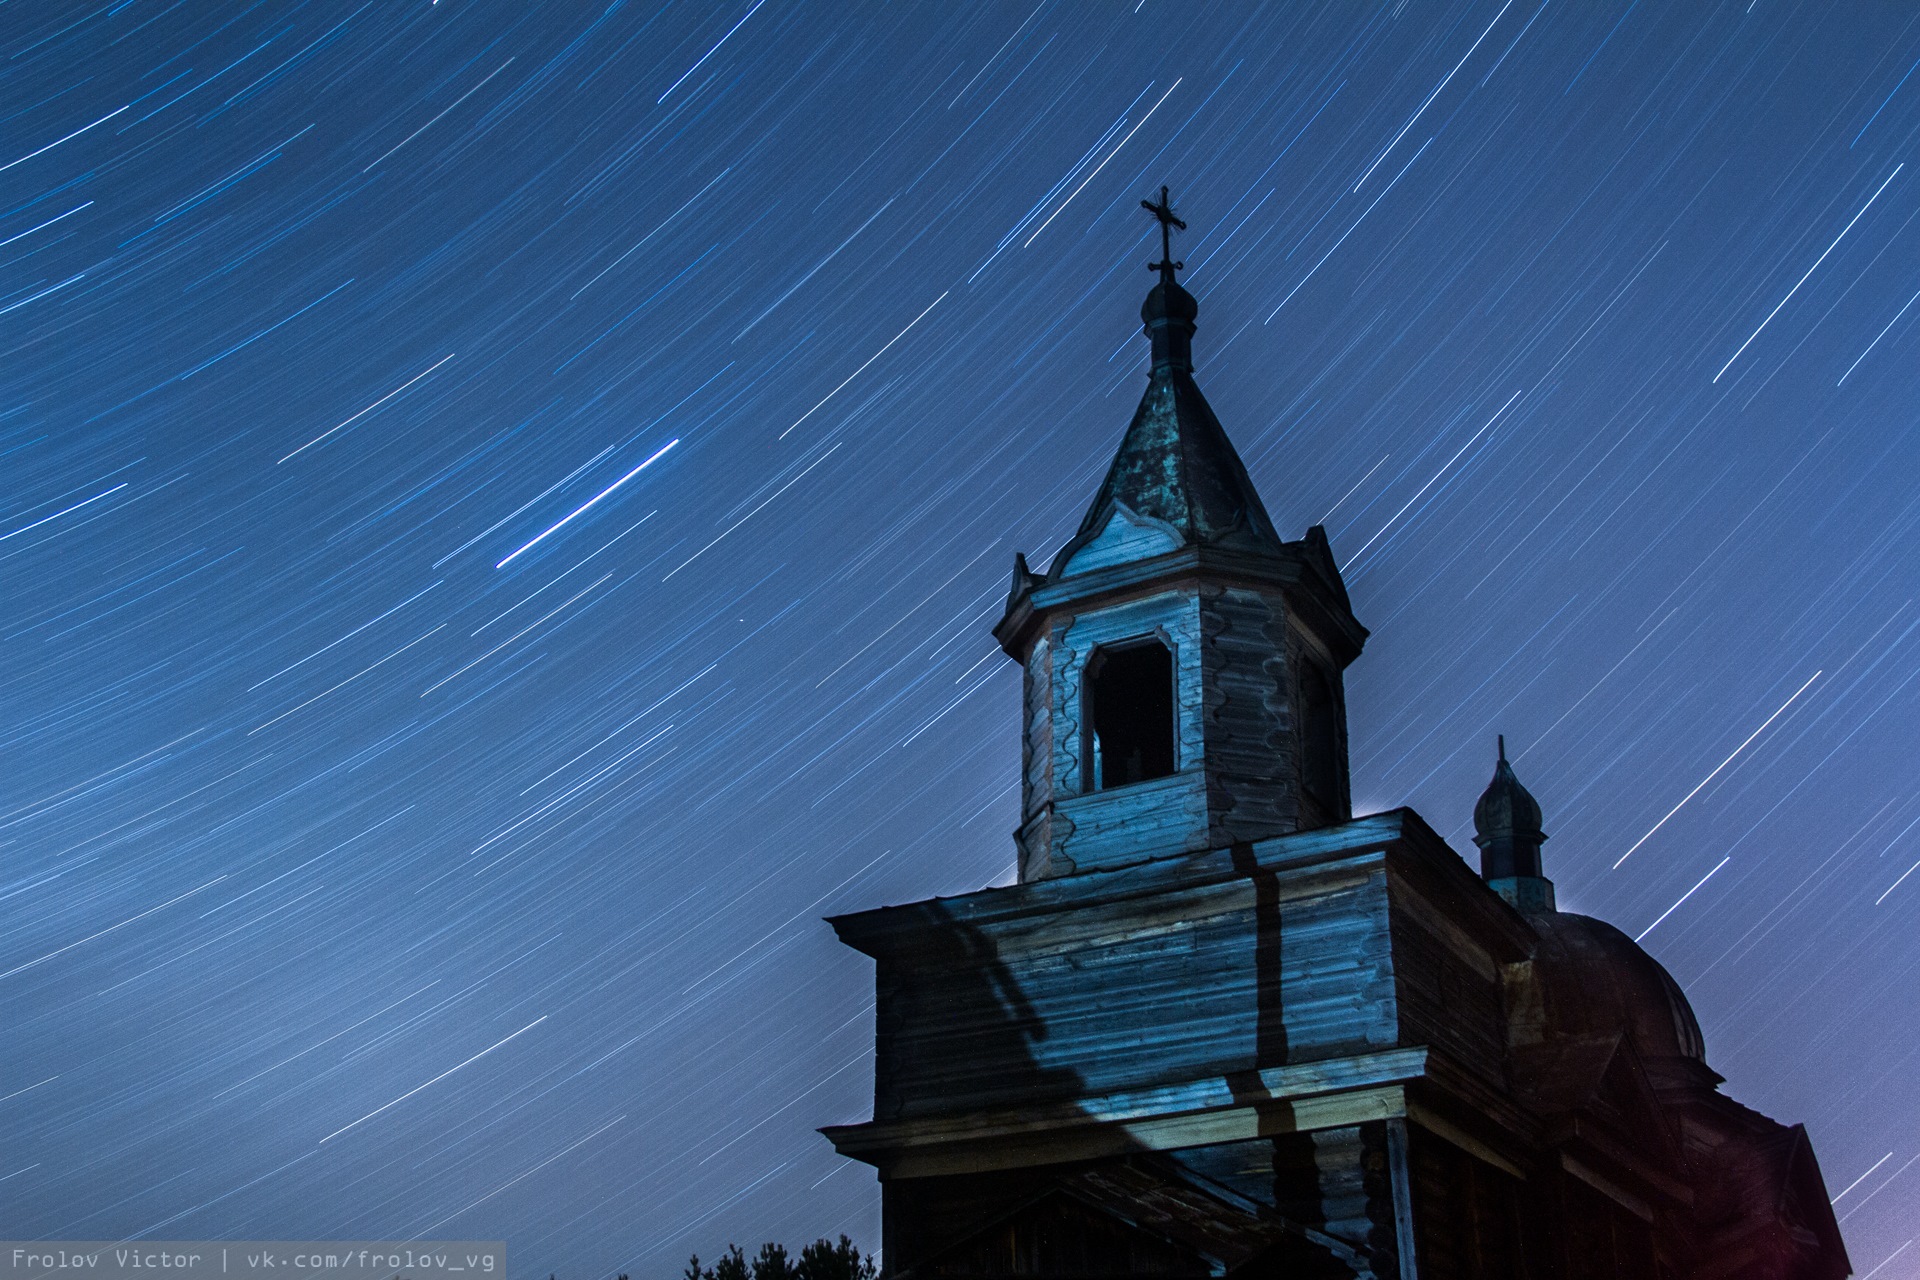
502,507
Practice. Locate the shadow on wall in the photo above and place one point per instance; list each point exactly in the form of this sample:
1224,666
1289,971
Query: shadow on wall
954,1030
957,1034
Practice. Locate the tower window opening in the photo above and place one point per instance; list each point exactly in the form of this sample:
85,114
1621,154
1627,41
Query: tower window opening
1320,738
1130,696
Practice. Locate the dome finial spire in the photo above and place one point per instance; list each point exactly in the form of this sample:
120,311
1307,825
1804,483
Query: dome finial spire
1506,826
1164,215
1169,310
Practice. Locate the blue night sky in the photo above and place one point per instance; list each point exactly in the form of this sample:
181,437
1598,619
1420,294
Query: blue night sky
501,508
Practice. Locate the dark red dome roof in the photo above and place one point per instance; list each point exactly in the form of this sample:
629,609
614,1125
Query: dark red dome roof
1596,981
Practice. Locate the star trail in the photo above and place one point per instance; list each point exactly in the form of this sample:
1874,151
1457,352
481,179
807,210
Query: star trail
501,509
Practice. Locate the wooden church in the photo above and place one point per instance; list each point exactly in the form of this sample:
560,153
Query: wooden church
1222,1027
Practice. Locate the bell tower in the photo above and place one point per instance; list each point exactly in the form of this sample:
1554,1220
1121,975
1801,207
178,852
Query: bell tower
1224,1028
1183,662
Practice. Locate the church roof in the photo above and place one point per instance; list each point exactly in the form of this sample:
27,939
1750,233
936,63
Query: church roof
1175,464
1177,499
1597,981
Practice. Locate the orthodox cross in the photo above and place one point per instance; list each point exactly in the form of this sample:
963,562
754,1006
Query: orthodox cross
1163,214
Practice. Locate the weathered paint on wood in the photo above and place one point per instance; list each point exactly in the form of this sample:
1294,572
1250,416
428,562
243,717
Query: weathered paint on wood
1125,537
1238,660
1275,954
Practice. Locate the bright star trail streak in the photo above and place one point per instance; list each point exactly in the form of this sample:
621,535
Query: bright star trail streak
447,719
20,235
343,639
1842,1193
651,234
14,306
370,408
775,304
1876,339
1810,270
1889,1181
1882,107
302,706
709,53
27,528
436,120
19,968
1314,269
1682,898
57,141
589,503
864,367
436,1080
1745,743
1896,884
751,514
578,595
1434,478
1421,109
1103,164
247,342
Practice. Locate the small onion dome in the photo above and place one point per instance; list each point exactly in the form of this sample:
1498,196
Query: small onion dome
1168,316
1168,300
1506,825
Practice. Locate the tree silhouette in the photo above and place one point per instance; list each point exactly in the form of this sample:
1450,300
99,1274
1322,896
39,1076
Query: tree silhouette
818,1261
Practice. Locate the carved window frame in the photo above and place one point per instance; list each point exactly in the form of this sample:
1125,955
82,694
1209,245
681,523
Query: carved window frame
1089,675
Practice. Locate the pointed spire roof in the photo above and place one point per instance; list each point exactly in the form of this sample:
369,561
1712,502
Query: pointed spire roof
1175,464
1177,503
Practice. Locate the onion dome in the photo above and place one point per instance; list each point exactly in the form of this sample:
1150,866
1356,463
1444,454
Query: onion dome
1168,314
1506,826
1596,981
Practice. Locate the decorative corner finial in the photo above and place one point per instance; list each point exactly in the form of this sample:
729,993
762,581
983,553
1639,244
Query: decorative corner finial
1164,215
1501,738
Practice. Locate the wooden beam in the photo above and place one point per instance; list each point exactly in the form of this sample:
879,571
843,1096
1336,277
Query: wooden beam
1400,1173
1607,1187
1295,1085
1437,1125
1162,1133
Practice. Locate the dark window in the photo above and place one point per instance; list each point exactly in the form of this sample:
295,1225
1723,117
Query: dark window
1319,737
1130,697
